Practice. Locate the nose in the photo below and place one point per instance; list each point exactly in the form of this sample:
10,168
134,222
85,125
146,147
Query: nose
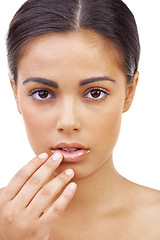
69,117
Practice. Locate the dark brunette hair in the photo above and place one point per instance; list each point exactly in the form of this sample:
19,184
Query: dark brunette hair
112,19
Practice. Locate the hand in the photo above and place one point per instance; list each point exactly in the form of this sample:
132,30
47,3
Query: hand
27,210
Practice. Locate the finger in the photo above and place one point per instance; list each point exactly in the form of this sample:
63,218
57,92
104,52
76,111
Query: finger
45,196
21,177
38,179
60,204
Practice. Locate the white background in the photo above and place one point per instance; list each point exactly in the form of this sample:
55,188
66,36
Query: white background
137,155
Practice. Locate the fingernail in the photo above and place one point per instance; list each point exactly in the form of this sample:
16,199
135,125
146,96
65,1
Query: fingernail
57,156
43,156
73,186
69,172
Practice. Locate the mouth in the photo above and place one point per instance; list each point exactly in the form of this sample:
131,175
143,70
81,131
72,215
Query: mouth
72,152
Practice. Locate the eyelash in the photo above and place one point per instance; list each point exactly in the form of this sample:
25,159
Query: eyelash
32,93
98,89
88,91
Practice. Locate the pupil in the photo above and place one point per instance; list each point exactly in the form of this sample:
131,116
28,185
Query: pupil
95,93
43,94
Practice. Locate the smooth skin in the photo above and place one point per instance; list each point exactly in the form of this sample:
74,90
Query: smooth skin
105,206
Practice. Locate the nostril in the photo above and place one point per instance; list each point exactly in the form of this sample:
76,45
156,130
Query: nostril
75,129
68,129
61,129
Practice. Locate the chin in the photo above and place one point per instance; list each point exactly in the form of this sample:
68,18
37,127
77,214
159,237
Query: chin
81,171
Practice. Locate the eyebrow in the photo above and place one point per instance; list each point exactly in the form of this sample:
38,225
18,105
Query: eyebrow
53,84
42,81
95,79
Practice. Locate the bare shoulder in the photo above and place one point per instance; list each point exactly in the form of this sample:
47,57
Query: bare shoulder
143,198
146,211
147,196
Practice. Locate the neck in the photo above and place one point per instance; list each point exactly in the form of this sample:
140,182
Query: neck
99,189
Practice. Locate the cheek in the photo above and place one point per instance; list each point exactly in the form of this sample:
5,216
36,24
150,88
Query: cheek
107,126
111,123
37,126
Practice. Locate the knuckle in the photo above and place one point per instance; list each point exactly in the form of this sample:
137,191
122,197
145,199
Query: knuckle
34,180
49,164
8,215
20,174
45,192
34,162
67,196
57,210
63,178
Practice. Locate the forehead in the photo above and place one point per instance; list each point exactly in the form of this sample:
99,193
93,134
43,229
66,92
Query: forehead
81,49
74,40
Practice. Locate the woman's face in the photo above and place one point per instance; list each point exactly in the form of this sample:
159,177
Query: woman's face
71,92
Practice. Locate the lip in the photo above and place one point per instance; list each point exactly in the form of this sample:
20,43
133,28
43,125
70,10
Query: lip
74,156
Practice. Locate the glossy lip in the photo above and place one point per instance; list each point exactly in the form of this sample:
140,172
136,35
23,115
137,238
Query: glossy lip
74,156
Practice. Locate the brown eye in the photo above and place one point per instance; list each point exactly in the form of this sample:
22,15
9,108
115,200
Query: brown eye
95,93
43,94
